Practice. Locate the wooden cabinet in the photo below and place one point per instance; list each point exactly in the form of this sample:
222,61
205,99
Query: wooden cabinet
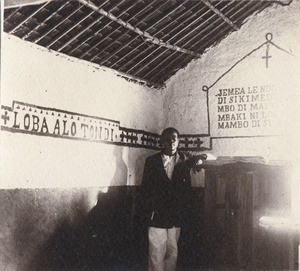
237,195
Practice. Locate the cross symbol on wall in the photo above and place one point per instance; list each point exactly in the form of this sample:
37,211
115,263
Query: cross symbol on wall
5,117
122,136
129,137
148,140
144,138
152,141
198,142
132,137
186,142
267,56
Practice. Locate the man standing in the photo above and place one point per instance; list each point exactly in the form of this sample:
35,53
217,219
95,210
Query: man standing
165,187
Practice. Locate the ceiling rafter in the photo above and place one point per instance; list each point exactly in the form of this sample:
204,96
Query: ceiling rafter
86,28
170,63
125,33
143,34
156,33
251,9
61,47
182,38
13,13
136,38
117,29
189,41
220,14
74,29
198,18
28,18
208,43
22,3
168,58
97,33
60,23
87,16
204,30
45,20
70,29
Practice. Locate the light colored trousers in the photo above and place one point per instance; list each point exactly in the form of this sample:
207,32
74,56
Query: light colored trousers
163,248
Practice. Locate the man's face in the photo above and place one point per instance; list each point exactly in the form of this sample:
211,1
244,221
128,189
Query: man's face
171,142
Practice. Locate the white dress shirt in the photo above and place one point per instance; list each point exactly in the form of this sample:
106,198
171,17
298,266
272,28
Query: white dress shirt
169,164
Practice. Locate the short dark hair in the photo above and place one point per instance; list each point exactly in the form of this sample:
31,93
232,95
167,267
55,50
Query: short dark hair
168,131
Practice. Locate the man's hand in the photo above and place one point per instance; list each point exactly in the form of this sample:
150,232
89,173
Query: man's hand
197,160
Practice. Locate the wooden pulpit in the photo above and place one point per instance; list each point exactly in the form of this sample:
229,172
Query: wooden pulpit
238,192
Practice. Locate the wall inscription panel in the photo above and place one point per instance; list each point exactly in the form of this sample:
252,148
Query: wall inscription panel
246,107
256,96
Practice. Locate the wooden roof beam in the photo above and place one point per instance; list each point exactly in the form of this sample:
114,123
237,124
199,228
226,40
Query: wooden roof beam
143,34
220,14
182,38
194,14
148,55
126,45
20,3
113,42
28,18
98,34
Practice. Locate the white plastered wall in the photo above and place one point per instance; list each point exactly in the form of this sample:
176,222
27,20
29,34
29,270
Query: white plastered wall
185,104
37,76
34,75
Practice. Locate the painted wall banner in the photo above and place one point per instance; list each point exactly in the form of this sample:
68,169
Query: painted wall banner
31,119
50,122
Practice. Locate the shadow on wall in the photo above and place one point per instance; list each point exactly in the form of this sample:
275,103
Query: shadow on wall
104,239
112,236
62,249
56,229
121,173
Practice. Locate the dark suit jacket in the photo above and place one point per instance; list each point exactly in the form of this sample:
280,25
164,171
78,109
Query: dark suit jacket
166,201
